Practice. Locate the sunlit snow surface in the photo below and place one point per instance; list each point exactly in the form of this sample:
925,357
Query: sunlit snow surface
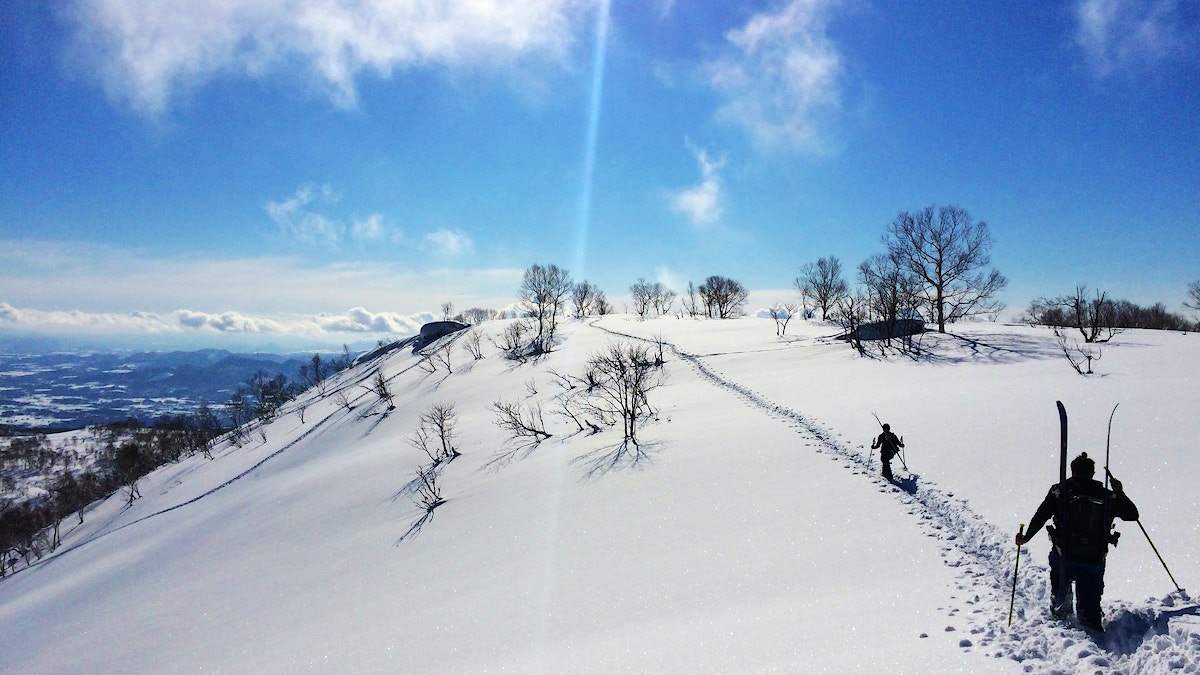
751,534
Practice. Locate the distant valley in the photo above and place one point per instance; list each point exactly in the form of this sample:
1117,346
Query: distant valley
70,390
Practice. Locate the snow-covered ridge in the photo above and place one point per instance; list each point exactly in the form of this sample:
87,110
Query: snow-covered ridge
753,536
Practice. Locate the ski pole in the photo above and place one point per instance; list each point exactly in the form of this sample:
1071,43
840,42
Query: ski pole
1160,558
1012,599
1151,542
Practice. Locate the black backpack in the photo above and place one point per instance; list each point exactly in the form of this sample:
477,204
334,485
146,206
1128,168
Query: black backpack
1084,528
888,446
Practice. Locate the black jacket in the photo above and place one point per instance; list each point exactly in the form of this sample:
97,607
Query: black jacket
1117,505
890,445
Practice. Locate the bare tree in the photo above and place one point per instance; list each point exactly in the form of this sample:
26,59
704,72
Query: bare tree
691,302
238,415
891,294
511,341
314,373
783,312
658,351
852,312
947,255
583,298
269,393
440,355
1076,354
542,293
640,294
477,315
647,296
447,310
521,423
822,281
130,465
1193,301
436,433
567,405
1094,317
564,381
379,385
723,298
473,343
601,306
429,492
622,376
661,297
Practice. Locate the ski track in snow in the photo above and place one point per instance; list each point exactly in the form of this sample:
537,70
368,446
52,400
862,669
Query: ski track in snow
1139,639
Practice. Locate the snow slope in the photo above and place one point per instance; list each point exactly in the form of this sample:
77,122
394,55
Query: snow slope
750,536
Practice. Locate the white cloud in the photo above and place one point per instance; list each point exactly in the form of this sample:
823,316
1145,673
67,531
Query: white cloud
361,320
701,204
783,76
372,228
144,52
449,242
75,283
318,327
672,280
1133,35
299,217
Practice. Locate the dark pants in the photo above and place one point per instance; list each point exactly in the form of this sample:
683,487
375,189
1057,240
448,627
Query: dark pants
887,469
1089,585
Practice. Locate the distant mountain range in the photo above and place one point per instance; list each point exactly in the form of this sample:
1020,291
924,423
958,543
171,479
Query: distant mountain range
71,389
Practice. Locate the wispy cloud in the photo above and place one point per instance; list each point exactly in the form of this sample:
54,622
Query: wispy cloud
671,279
301,218
297,220
449,242
1133,36
702,203
372,228
783,75
145,52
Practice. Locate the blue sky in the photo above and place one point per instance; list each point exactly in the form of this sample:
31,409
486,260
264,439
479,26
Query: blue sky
299,171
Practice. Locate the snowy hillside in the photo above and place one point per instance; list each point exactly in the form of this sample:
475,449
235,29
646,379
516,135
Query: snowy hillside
752,534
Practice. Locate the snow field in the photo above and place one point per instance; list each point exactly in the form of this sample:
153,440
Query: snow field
751,536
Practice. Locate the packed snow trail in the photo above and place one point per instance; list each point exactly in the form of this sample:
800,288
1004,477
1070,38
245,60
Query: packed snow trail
1163,634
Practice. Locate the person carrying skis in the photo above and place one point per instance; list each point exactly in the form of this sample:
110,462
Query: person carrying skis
1080,535
889,446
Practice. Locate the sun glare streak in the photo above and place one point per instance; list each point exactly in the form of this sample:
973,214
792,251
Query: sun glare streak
593,126
550,578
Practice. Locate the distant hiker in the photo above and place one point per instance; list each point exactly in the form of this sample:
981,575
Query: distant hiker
1080,535
889,446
